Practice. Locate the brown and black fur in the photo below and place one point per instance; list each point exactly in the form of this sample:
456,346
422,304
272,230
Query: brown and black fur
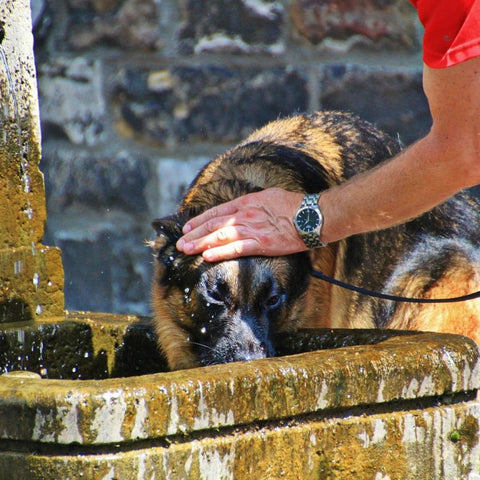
215,313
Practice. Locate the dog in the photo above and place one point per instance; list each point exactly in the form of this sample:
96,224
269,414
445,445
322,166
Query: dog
208,313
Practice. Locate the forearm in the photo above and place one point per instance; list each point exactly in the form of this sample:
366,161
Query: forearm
424,175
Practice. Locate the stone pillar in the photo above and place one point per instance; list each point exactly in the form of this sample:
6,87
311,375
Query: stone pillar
31,274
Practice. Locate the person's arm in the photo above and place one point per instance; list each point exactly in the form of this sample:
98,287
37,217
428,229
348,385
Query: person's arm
439,165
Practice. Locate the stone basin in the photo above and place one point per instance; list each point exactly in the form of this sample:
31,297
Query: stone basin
86,395
337,404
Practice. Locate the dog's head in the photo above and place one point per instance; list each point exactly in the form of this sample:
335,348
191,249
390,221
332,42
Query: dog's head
208,313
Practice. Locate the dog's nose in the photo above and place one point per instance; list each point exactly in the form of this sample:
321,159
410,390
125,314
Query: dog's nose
250,350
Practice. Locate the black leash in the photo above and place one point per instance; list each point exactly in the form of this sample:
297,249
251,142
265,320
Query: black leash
394,298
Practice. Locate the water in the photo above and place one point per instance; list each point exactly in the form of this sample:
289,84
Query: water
23,147
11,95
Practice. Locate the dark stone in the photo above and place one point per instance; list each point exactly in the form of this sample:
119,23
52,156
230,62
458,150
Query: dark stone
238,25
394,100
209,103
96,180
130,23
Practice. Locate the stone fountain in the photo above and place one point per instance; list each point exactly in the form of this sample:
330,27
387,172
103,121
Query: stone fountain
86,395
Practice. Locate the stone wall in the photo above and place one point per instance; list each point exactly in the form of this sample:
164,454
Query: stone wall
136,95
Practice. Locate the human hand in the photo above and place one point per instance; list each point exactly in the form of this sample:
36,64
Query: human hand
259,223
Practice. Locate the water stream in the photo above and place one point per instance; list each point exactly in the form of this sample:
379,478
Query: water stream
23,147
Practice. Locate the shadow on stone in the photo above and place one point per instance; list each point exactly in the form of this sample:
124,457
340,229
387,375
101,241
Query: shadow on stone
14,310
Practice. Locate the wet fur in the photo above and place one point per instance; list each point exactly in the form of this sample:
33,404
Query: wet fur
214,313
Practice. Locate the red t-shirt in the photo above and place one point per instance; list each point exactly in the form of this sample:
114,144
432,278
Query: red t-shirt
452,30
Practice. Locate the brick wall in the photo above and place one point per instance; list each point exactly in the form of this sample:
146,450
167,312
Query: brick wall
135,95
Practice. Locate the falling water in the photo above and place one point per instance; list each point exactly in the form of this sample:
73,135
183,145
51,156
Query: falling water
23,148
11,89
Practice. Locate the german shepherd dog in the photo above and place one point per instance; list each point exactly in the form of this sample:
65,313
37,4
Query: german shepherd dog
207,313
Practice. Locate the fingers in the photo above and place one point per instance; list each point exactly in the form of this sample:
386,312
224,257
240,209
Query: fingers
258,223
207,237
240,248
207,218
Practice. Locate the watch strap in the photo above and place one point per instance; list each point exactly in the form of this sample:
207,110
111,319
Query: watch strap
310,200
312,240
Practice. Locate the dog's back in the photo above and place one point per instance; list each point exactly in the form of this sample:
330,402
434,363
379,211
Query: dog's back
306,153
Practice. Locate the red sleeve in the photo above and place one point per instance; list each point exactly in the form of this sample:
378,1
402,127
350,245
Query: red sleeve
452,30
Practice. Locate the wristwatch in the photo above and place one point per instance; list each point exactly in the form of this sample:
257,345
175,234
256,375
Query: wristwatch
309,221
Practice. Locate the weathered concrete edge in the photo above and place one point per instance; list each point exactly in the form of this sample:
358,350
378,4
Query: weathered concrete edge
440,442
166,404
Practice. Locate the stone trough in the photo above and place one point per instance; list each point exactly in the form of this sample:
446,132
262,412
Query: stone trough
370,405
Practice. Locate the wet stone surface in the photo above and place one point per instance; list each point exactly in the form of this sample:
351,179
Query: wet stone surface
80,350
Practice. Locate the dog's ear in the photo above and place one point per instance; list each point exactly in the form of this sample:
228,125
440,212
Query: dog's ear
169,230
169,260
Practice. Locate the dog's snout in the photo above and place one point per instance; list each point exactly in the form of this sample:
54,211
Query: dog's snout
251,344
251,350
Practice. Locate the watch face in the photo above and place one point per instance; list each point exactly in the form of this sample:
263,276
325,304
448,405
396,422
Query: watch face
308,220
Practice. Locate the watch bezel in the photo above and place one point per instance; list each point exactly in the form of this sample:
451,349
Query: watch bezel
299,218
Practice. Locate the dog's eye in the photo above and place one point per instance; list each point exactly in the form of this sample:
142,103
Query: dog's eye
273,301
219,293
215,296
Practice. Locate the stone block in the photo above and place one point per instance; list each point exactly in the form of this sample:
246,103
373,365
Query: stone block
391,98
126,24
206,103
22,211
72,101
341,25
31,284
108,266
174,177
106,180
237,26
